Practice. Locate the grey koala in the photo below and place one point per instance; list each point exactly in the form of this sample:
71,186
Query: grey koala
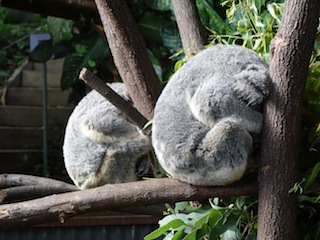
100,145
209,115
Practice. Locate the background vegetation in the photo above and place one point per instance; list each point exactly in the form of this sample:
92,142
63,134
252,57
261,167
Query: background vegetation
251,23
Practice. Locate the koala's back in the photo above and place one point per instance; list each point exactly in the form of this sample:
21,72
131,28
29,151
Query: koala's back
100,145
198,96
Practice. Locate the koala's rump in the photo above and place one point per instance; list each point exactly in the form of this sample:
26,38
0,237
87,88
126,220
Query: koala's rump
178,133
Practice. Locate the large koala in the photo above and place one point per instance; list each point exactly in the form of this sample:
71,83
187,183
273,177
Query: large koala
101,146
209,116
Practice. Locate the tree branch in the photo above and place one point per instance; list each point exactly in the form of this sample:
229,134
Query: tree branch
112,196
18,187
12,180
290,54
125,107
70,9
190,27
130,55
22,193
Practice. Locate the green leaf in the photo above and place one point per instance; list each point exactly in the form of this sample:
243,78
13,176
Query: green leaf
215,216
178,235
240,201
192,235
42,53
161,5
60,29
179,64
273,9
149,24
313,175
216,22
4,74
174,224
95,50
221,228
156,64
171,37
231,234
202,221
61,49
203,231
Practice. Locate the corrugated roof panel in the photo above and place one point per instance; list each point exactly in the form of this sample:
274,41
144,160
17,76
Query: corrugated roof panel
124,232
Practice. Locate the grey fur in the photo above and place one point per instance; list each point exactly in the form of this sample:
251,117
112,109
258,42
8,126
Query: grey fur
208,113
100,145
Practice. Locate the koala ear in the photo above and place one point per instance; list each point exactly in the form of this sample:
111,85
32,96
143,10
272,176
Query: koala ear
256,74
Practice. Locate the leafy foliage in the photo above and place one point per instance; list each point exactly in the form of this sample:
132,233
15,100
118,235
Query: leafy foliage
219,219
15,27
89,51
253,24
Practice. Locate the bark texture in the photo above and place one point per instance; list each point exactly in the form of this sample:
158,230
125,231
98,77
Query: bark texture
18,187
190,28
130,55
290,54
13,180
60,207
125,107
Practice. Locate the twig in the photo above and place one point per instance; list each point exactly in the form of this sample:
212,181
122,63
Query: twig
124,106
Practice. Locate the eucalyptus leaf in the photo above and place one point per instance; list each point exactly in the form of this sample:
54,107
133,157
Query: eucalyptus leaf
174,224
192,235
313,175
221,228
178,235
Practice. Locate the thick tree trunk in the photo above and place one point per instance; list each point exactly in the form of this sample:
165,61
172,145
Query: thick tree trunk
130,55
290,54
190,28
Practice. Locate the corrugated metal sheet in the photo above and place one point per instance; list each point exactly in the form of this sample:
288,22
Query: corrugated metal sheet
124,232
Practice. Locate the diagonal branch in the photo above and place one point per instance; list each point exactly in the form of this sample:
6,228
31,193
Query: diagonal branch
125,107
130,55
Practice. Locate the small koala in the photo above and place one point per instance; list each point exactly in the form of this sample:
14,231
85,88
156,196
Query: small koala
100,145
209,116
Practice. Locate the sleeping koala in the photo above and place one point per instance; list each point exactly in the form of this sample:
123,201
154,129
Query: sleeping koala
209,116
101,146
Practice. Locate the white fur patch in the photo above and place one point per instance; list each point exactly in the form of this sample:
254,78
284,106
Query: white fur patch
96,136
